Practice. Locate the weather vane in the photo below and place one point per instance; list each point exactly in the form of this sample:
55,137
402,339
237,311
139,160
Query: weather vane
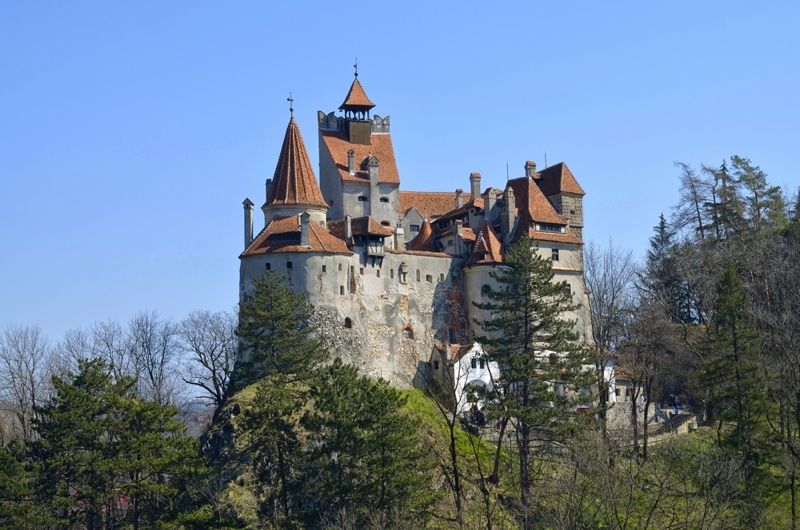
290,99
355,66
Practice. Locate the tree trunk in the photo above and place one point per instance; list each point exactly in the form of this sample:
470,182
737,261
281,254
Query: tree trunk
495,477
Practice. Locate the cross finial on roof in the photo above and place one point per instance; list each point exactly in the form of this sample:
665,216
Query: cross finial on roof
290,99
355,66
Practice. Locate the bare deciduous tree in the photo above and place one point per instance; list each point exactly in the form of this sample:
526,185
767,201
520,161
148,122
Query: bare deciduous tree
24,352
210,340
154,348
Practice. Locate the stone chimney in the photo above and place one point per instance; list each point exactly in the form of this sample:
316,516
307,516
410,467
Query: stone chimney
459,198
530,169
373,166
351,162
399,238
248,222
348,229
474,185
305,229
458,236
489,200
508,216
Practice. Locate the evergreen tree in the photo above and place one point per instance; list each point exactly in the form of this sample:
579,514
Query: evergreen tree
660,280
764,205
15,491
277,332
105,458
365,455
731,372
539,355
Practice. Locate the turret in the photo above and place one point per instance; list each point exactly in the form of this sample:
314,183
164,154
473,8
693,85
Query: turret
508,215
248,222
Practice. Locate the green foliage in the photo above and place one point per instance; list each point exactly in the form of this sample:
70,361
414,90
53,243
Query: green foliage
364,451
277,332
104,457
15,488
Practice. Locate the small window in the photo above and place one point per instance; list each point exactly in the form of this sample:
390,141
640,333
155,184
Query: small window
340,267
348,323
555,254
441,277
288,264
361,270
572,212
352,270
429,278
391,274
617,391
435,365
324,268
474,362
362,198
378,273
384,199
485,290
386,223
481,363
418,275
414,228
269,266
341,290
408,332
568,290
449,242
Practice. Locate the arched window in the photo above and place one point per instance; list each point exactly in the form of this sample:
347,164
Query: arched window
408,332
419,275
348,323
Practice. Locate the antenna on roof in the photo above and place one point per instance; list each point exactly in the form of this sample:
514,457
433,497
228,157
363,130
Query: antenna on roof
355,66
506,171
545,159
290,99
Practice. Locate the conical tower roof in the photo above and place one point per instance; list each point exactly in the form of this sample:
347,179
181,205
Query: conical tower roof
356,98
294,181
424,240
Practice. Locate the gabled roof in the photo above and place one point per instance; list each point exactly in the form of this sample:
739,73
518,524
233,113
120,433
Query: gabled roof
283,235
380,146
532,203
424,240
431,204
462,210
487,249
294,181
559,179
361,226
356,97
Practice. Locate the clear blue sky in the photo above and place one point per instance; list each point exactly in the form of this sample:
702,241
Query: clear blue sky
131,132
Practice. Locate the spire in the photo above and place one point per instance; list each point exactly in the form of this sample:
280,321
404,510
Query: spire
356,99
294,181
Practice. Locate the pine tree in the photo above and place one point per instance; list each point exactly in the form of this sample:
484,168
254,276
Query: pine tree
365,455
731,372
764,205
539,355
16,510
105,458
276,329
660,280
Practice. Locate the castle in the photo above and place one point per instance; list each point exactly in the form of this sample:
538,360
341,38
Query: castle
394,273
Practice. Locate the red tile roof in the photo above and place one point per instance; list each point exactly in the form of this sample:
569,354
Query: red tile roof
555,237
467,233
462,210
424,240
283,235
531,201
294,181
487,250
380,147
356,97
431,204
558,178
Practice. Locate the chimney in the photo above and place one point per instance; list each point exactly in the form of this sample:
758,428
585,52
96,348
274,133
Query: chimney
305,229
474,185
268,186
508,216
530,169
459,198
351,162
458,235
399,238
348,229
248,222
489,199
373,166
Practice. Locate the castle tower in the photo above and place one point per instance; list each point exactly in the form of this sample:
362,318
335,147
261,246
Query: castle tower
486,255
357,169
294,188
